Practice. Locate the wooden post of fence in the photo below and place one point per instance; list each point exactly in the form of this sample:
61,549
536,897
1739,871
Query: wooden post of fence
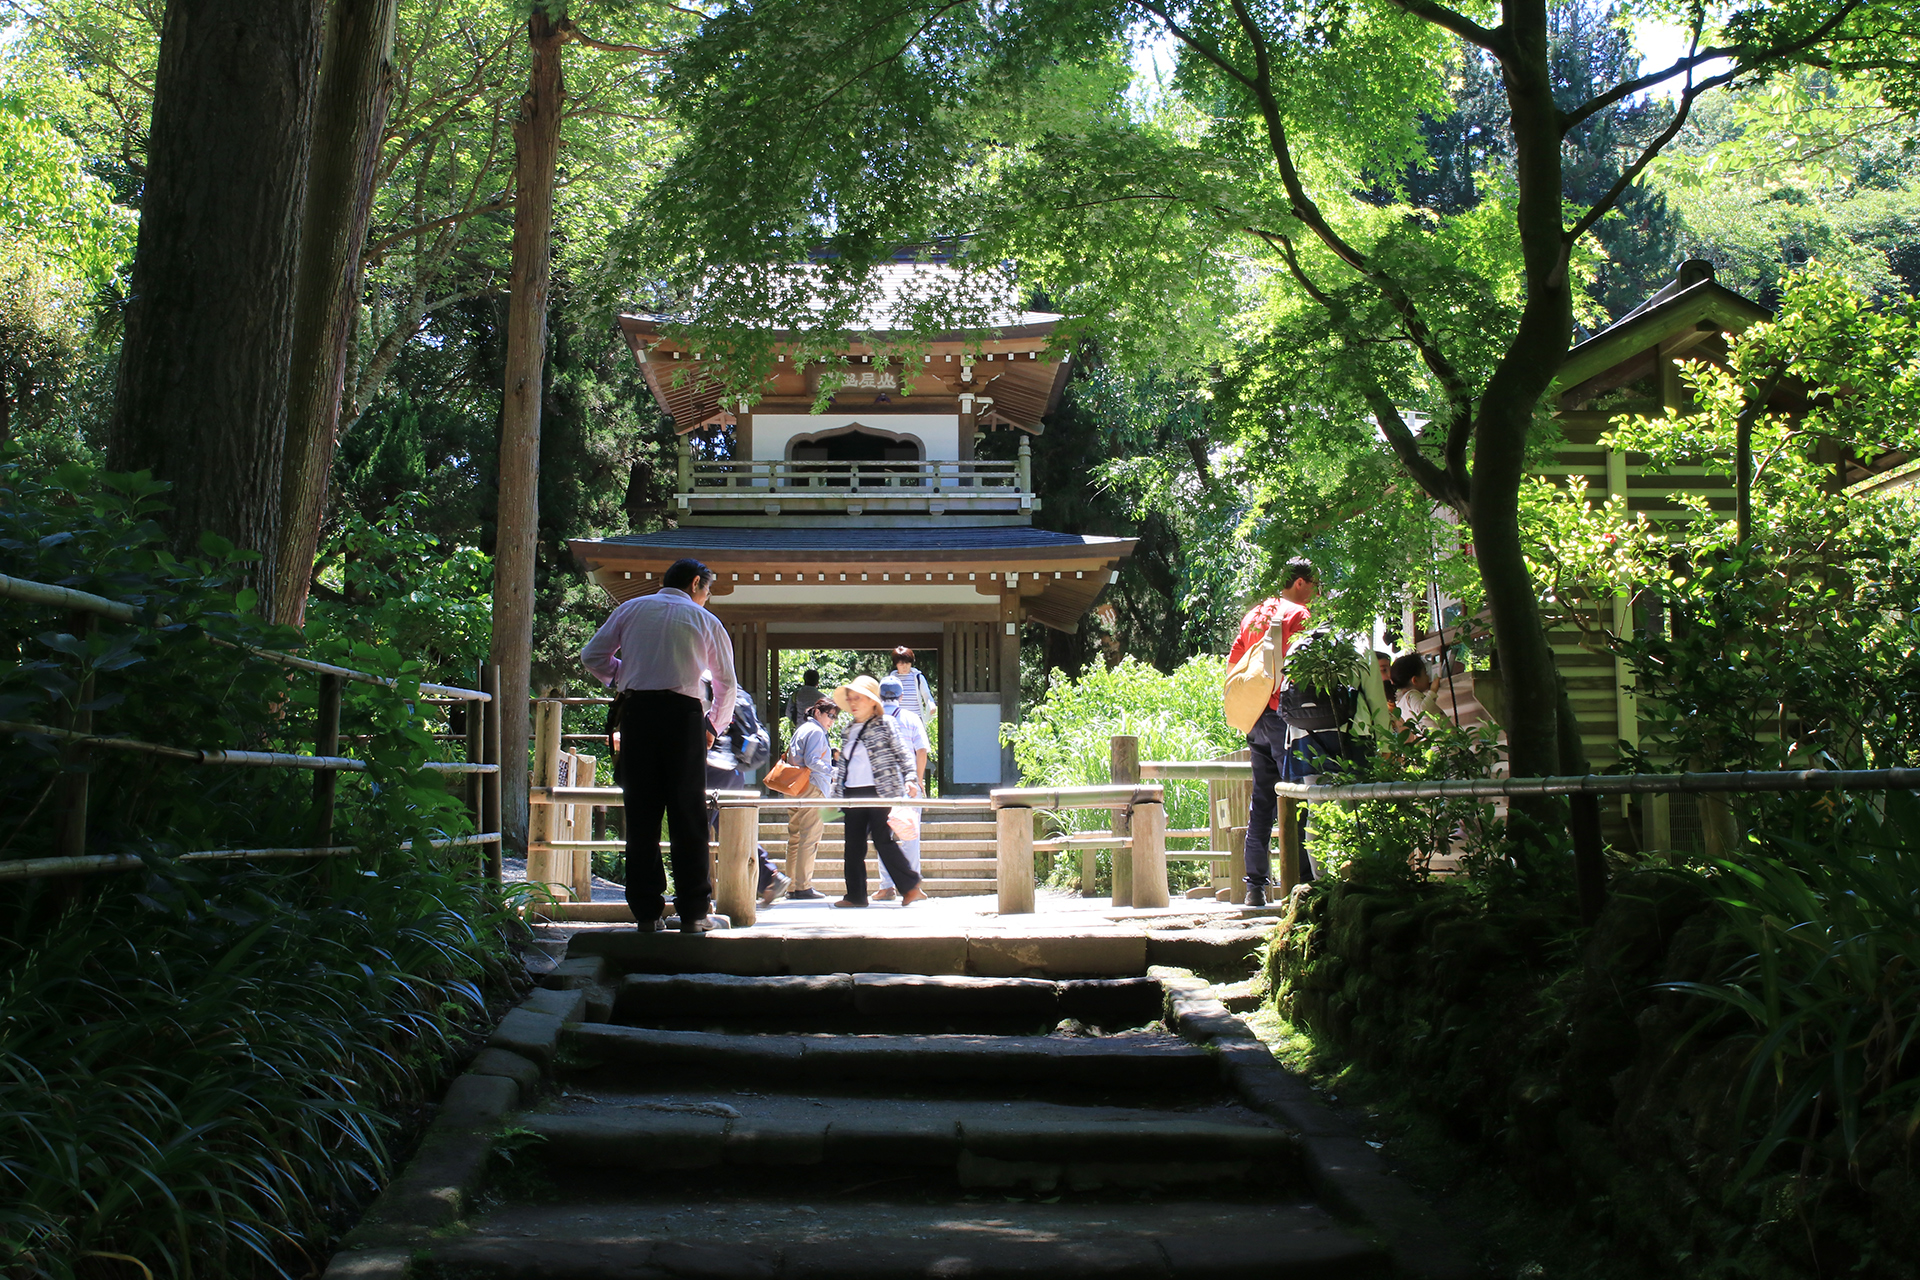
1283,848
544,819
326,742
490,782
1013,843
1123,765
475,714
734,894
71,841
1149,854
585,774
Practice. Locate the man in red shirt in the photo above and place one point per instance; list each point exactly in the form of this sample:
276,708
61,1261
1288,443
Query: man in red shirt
1268,738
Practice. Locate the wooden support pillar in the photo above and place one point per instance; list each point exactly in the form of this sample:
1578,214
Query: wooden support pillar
490,783
1006,664
1149,854
326,742
734,894
1014,846
1123,765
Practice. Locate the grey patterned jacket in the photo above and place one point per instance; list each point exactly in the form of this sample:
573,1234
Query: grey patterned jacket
892,764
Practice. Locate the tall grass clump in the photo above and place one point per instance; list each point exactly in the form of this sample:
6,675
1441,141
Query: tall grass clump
1064,740
1825,991
207,1074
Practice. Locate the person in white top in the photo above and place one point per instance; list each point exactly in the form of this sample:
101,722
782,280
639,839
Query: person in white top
655,651
913,736
915,695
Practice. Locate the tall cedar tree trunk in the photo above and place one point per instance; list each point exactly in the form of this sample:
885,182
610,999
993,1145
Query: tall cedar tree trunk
356,84
536,141
201,398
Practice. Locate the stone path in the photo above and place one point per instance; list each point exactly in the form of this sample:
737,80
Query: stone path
996,1098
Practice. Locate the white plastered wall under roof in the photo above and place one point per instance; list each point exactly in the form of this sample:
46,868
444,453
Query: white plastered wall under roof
938,433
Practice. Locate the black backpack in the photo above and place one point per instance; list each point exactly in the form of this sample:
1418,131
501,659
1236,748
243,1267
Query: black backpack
1316,710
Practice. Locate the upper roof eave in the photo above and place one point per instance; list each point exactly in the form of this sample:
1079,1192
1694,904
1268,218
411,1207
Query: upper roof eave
1033,324
1707,300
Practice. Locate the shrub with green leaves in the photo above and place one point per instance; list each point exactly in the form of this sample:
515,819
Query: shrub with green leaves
1065,740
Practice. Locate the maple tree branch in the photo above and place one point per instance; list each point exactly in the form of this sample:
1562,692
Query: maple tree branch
1493,41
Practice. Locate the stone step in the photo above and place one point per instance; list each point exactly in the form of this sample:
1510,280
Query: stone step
825,1001
1135,1062
929,865
983,1144
724,1236
834,848
939,946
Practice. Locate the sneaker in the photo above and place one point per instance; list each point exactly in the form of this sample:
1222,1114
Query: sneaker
655,925
885,895
805,895
699,924
1256,895
772,892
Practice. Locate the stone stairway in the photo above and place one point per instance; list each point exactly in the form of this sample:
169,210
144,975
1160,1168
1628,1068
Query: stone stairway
957,853
640,1117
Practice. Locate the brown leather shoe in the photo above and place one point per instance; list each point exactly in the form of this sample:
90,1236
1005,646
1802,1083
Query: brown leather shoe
914,895
849,902
885,895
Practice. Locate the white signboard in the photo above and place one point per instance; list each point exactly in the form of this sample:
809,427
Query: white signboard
976,742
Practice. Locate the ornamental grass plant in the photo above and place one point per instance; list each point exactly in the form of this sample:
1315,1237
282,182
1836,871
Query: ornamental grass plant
209,1075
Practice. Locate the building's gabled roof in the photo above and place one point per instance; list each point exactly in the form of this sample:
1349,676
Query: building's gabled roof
1691,309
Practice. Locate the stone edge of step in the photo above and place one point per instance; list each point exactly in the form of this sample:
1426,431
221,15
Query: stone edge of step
1350,1175
438,1184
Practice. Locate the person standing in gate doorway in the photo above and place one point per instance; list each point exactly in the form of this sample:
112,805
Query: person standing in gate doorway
801,701
913,736
915,694
1267,740
814,750
655,651
872,764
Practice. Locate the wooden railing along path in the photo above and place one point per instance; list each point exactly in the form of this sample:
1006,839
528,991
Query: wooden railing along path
482,742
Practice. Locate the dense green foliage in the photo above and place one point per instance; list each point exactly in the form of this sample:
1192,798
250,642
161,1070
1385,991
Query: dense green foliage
250,1050
250,1047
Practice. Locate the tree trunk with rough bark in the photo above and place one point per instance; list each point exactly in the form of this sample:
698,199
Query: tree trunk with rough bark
536,138
201,396
356,84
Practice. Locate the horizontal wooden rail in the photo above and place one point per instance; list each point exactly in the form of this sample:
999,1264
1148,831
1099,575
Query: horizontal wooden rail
1109,796
67,598
614,796
88,864
1611,784
85,601
1095,841
220,755
1197,771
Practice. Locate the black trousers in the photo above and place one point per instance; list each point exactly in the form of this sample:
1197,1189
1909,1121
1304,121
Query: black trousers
663,759
860,823
1267,743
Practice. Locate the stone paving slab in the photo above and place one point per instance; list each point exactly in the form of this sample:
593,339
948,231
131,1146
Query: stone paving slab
876,1240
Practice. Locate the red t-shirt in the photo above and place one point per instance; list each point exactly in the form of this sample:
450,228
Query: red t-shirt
1253,628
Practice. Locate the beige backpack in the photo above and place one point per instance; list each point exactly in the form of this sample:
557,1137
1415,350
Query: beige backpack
1251,682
